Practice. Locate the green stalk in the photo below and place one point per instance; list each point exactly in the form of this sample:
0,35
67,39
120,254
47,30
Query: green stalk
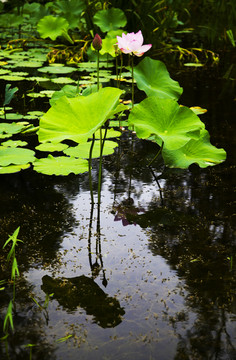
90,169
132,72
102,142
160,150
98,70
121,67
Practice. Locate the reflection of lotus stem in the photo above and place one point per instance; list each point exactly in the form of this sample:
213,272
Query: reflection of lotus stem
98,70
90,169
160,150
102,142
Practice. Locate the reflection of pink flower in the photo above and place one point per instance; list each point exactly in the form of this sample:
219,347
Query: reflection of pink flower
132,43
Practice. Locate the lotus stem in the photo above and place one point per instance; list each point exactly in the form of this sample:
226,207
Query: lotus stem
102,142
132,72
98,70
90,169
159,151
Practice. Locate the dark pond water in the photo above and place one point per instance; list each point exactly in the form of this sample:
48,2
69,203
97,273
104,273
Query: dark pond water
149,275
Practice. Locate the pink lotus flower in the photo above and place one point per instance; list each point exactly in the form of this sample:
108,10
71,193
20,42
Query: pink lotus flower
132,44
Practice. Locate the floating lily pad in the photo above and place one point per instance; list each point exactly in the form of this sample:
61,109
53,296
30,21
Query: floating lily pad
11,116
50,147
38,78
153,78
29,64
11,169
4,71
12,78
63,80
35,95
35,113
61,165
90,66
111,133
82,150
15,156
194,64
57,69
14,144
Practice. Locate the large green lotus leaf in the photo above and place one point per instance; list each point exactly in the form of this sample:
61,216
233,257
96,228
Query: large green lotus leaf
52,27
164,118
71,10
110,19
82,150
61,165
13,168
16,156
78,118
153,78
200,151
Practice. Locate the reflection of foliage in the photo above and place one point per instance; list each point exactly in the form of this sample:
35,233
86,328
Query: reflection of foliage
84,292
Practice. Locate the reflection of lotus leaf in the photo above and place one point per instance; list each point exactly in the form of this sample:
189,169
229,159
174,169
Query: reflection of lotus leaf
84,292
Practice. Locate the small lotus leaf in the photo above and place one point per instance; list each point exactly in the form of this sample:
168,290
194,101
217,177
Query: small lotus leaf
11,169
16,156
14,144
61,165
110,19
164,118
200,151
78,118
57,69
12,128
28,64
52,27
153,78
12,78
50,147
63,80
82,150
111,133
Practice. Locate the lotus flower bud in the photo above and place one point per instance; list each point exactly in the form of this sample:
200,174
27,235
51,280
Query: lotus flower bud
97,42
